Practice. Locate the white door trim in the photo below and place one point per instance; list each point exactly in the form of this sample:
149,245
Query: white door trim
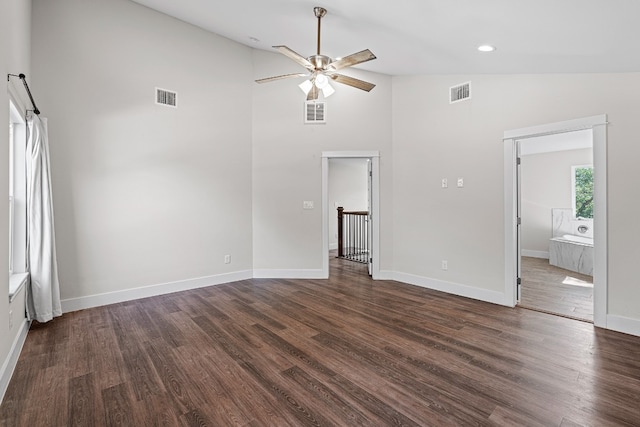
374,156
598,124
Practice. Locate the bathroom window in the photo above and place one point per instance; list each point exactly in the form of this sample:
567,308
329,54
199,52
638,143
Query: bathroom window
17,201
582,191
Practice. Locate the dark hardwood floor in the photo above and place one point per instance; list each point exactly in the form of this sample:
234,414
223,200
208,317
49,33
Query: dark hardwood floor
343,351
555,290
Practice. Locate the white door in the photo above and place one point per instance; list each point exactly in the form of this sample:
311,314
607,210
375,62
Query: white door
369,217
518,226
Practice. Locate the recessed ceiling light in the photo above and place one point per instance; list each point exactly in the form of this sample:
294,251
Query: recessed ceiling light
486,48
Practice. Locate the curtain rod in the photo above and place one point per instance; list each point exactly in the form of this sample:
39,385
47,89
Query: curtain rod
26,86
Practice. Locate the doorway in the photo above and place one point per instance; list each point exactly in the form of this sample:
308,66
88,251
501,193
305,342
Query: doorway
349,194
512,139
371,160
556,227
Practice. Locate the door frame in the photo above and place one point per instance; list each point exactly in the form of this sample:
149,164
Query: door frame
598,125
374,157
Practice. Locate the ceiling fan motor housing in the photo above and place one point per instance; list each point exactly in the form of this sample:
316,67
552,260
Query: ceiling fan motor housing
320,62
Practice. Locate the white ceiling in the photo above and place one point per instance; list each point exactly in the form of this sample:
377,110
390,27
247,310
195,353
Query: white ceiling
435,36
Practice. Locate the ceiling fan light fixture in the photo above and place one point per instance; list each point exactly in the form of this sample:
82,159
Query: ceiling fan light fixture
321,81
306,86
327,91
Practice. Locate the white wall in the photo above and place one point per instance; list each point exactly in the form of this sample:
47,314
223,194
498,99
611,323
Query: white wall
143,194
433,139
146,195
15,32
287,163
348,188
546,184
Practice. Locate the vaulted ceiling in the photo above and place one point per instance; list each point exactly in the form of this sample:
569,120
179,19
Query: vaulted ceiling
435,36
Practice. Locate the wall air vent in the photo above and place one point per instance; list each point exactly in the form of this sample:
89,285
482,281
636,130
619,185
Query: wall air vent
315,112
460,92
166,97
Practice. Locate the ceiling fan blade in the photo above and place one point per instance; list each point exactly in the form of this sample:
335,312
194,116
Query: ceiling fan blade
354,59
350,81
284,76
313,93
295,56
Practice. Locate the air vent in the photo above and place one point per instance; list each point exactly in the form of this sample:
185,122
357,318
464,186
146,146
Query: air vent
315,112
460,92
166,97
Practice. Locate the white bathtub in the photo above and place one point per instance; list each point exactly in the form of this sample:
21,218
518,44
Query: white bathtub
574,253
575,239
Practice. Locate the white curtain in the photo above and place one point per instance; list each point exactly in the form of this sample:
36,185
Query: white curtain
43,296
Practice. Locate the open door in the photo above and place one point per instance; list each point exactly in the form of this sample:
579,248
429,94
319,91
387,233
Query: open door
369,217
518,226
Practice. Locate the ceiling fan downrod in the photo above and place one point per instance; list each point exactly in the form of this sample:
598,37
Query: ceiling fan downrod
320,12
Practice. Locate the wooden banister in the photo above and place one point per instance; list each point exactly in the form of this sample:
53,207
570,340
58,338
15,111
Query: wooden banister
355,237
340,214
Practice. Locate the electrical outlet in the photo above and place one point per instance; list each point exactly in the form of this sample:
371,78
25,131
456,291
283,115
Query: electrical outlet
445,265
307,204
460,182
227,259
444,183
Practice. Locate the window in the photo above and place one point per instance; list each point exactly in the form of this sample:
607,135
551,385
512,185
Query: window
17,200
582,191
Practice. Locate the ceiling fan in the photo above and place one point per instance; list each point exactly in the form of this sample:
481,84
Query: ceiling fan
322,68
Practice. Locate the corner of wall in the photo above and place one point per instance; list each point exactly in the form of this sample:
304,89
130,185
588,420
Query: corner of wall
9,364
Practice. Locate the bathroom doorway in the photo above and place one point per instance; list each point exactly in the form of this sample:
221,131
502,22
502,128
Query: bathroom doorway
556,231
514,230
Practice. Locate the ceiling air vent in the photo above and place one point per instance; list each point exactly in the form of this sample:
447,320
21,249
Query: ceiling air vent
460,92
315,112
166,97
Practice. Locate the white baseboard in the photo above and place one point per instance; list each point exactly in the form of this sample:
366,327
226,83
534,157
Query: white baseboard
74,304
453,288
623,324
535,254
288,274
11,361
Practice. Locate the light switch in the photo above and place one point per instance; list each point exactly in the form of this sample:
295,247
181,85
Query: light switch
460,182
444,183
307,204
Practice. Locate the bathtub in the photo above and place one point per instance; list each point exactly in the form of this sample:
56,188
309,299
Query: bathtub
574,253
575,239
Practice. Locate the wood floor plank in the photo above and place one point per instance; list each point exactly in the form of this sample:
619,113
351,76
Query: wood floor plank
544,288
342,351
348,414
117,407
82,400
